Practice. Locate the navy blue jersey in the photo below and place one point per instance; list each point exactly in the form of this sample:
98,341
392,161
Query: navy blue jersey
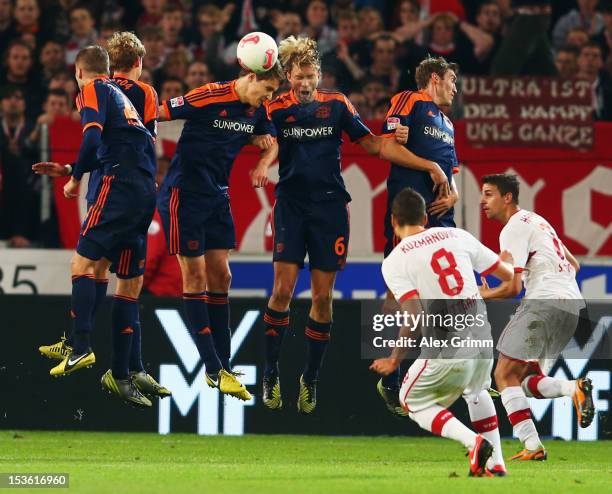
144,99
309,138
431,136
217,126
102,104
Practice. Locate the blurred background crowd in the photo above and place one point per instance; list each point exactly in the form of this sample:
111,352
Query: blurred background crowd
369,49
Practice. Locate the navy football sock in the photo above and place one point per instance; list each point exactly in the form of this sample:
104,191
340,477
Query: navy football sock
83,301
317,338
392,380
275,327
199,326
101,286
125,317
218,312
136,349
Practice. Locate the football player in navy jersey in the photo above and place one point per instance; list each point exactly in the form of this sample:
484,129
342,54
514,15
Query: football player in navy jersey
194,205
125,53
428,133
115,139
310,215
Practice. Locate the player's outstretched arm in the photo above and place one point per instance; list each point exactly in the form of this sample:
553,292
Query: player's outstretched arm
52,169
385,366
259,174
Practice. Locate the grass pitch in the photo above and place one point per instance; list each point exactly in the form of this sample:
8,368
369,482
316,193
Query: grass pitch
186,463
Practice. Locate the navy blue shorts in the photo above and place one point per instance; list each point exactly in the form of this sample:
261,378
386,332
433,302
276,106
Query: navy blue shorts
194,223
447,221
320,229
117,223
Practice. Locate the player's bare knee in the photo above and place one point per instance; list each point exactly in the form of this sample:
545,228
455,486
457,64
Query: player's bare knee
508,373
80,265
281,295
322,302
129,287
194,275
219,282
101,270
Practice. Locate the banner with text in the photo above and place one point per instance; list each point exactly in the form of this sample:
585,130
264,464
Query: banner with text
521,111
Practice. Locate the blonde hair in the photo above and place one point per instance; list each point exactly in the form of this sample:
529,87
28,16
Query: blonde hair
124,49
298,51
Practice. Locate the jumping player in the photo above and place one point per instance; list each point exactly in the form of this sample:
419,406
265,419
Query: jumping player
194,204
429,134
439,263
116,226
551,304
126,53
310,215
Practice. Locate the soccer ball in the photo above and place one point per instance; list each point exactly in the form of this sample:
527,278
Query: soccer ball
257,52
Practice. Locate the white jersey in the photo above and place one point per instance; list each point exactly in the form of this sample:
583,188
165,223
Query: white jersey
438,263
539,255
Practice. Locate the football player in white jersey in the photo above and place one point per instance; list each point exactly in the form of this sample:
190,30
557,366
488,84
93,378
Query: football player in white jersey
434,264
544,322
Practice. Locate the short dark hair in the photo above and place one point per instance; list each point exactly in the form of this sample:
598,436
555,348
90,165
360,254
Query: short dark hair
506,183
590,44
94,58
9,91
276,72
173,79
59,92
486,3
433,65
384,37
408,208
568,49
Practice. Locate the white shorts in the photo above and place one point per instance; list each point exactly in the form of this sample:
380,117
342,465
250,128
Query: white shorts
441,382
539,330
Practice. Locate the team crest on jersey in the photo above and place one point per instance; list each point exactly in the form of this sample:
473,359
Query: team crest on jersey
290,119
250,112
324,111
223,113
392,123
178,101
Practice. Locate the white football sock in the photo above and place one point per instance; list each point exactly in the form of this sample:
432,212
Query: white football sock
519,415
484,421
441,422
547,387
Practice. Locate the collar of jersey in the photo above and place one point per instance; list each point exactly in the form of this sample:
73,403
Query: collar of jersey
232,86
120,75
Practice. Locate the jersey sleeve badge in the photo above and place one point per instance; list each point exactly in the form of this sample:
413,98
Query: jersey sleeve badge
176,102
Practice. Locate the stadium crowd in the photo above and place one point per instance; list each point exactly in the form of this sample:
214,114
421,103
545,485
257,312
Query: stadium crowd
370,49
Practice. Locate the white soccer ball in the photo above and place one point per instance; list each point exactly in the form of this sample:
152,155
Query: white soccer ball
257,52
